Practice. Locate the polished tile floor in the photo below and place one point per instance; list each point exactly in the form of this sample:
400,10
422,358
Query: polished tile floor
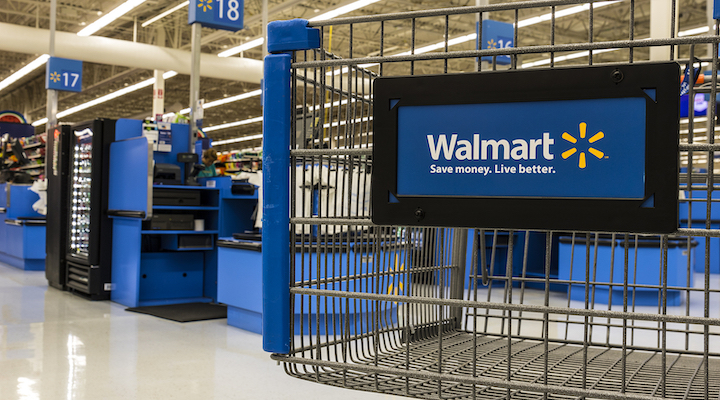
54,345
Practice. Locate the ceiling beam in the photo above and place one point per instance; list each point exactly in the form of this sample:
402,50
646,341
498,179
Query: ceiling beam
104,50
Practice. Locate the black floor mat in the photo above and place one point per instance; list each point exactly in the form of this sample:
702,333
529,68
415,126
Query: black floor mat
186,312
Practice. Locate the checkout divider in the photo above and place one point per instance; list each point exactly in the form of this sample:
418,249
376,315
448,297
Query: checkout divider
22,229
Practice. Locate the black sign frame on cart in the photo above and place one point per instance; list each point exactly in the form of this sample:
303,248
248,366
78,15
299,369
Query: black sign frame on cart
429,164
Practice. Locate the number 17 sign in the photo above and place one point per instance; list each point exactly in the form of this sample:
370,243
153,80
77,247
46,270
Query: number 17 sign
63,74
218,14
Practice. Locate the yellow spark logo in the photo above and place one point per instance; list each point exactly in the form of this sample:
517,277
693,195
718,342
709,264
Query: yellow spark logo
582,163
205,5
393,289
55,77
492,44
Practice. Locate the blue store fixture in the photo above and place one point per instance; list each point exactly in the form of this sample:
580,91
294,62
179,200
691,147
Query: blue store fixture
155,264
22,233
238,201
240,281
606,267
694,214
526,263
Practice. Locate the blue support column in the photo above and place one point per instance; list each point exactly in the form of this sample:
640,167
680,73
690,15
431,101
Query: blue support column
276,204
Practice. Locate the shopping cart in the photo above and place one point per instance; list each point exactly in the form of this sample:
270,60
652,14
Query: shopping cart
442,312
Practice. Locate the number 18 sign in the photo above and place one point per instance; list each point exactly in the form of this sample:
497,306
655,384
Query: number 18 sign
218,14
63,74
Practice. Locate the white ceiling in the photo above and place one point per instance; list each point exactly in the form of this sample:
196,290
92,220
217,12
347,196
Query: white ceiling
28,95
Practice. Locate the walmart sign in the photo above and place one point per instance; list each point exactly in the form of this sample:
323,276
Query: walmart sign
585,148
559,149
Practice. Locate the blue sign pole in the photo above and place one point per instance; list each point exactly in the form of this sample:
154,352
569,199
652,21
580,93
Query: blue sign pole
219,14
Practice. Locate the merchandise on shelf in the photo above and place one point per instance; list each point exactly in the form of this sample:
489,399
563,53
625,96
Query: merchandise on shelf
239,160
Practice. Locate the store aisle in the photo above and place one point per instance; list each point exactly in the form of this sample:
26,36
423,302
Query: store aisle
54,345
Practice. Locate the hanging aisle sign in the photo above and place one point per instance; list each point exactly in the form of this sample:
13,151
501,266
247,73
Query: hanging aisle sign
219,14
593,148
497,35
63,74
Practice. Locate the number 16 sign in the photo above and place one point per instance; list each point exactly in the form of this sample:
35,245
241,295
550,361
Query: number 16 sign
218,14
497,35
63,74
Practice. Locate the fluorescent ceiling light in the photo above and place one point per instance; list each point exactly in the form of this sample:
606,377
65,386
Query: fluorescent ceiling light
249,149
563,13
473,36
106,19
566,57
585,53
330,14
694,31
107,97
30,67
343,10
227,100
165,13
233,124
344,122
243,47
236,140
220,102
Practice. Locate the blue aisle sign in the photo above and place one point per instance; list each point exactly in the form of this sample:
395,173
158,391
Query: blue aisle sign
497,35
548,149
63,74
219,14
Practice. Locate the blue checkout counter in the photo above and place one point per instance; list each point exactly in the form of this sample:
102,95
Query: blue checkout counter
532,268
240,285
644,269
696,219
22,229
164,234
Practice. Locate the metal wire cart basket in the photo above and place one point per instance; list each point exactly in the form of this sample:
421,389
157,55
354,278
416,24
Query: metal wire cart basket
446,313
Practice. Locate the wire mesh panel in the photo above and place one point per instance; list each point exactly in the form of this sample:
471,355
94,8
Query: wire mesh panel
488,313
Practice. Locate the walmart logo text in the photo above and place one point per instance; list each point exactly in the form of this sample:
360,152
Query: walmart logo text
518,149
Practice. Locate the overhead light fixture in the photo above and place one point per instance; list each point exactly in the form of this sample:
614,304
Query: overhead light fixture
473,36
243,47
30,67
236,140
343,10
694,31
330,14
565,57
106,98
227,100
220,102
233,124
563,13
106,19
165,13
